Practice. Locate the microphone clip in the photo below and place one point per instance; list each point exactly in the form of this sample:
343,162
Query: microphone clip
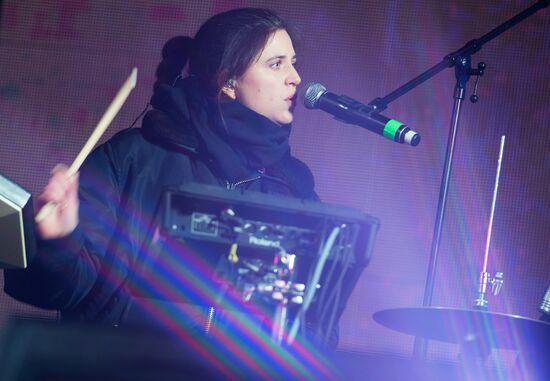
352,104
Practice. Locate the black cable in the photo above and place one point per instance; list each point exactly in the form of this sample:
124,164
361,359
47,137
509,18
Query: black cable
140,115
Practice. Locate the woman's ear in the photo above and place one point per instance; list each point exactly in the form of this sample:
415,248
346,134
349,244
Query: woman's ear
229,89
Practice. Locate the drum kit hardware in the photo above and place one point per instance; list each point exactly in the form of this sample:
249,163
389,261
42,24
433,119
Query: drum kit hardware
471,328
292,258
477,329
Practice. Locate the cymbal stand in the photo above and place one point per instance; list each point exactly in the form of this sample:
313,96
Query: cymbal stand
484,277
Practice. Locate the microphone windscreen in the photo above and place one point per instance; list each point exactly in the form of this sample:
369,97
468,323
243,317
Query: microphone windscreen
311,94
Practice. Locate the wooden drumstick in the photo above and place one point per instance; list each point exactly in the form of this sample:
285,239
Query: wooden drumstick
104,122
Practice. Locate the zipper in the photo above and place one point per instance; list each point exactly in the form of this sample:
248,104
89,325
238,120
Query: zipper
232,186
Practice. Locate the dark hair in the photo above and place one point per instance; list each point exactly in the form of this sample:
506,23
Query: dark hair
175,54
228,43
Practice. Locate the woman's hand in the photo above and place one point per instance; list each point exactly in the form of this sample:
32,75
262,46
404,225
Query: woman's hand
62,192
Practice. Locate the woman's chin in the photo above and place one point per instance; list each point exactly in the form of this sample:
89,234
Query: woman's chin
284,119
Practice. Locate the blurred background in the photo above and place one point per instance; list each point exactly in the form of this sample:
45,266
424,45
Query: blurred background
62,61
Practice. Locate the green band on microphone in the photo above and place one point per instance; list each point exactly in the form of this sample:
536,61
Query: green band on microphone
391,128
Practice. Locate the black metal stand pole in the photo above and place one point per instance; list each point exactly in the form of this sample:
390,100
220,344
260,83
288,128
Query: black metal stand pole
462,77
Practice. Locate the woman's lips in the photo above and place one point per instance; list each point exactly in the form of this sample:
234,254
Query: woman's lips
291,99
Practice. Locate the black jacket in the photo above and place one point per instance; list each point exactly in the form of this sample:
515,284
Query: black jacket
120,186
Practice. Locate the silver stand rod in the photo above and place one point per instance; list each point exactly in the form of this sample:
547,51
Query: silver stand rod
481,301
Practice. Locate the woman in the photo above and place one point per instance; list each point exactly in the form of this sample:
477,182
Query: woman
226,124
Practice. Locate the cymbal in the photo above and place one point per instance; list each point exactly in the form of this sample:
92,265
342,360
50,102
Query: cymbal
464,326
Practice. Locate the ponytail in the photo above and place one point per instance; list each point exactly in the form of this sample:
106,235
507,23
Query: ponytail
175,55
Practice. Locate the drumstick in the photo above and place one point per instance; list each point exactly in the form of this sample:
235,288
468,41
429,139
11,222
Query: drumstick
104,122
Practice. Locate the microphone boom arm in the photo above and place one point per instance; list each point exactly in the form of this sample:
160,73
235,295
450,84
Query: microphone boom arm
455,58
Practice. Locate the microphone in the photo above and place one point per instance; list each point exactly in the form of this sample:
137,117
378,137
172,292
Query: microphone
351,111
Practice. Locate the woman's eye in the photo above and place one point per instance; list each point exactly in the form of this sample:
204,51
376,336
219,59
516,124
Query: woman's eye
277,64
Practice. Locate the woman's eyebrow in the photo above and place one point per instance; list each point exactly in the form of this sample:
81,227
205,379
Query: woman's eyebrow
280,57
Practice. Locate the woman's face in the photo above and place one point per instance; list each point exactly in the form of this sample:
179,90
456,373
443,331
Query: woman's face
268,86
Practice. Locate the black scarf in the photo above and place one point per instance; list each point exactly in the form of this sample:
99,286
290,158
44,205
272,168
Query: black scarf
237,142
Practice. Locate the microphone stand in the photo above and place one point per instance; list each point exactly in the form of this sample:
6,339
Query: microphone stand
461,61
